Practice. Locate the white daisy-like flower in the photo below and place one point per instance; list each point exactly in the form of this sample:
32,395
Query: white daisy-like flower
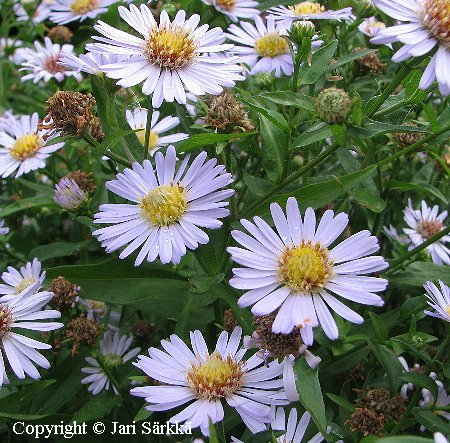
114,350
371,26
7,121
137,119
89,62
29,278
424,223
44,62
3,229
439,438
168,209
309,11
296,272
171,56
208,378
66,11
264,47
24,148
69,195
9,45
428,27
235,8
19,350
439,300
40,14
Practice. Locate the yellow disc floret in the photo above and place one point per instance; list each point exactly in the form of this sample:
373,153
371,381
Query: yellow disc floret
307,8
304,268
165,205
83,6
215,377
435,15
170,46
271,45
26,146
226,5
152,141
24,284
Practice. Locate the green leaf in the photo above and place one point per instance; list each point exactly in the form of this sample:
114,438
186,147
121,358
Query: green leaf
256,185
371,128
143,414
133,144
420,380
407,344
343,60
97,407
432,421
57,249
416,274
265,436
274,147
310,392
213,437
390,364
314,134
309,75
289,98
27,203
345,404
201,140
112,139
38,187
422,188
379,327
404,439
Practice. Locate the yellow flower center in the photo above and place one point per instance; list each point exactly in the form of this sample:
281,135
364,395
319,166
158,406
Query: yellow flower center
304,268
447,309
271,45
152,141
307,8
98,306
165,205
428,228
435,15
226,5
26,146
216,377
170,46
24,284
5,321
83,6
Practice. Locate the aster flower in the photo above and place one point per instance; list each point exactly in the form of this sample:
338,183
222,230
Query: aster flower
69,195
97,310
66,11
392,233
7,121
137,119
89,62
114,350
371,26
426,27
24,148
438,300
19,350
29,278
3,229
297,273
424,223
208,378
309,11
235,8
167,208
40,14
170,57
44,62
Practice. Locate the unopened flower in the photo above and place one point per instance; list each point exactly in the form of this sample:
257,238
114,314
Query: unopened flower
20,351
25,147
301,30
235,8
65,293
427,27
296,272
169,208
114,352
333,105
439,300
210,378
44,62
172,57
264,80
60,34
29,277
137,119
424,223
68,195
66,11
365,8
68,112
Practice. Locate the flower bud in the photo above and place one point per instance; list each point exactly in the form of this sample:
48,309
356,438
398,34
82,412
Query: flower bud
264,80
301,30
333,105
170,8
365,8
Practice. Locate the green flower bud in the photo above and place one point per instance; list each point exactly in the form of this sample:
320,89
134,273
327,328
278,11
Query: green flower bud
364,8
333,105
170,8
301,30
264,80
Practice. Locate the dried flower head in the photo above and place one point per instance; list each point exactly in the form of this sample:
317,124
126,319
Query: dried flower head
366,421
383,403
143,330
68,112
227,115
65,293
82,330
370,62
95,129
83,179
229,321
60,34
405,139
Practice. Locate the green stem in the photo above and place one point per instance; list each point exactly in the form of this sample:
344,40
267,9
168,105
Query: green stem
11,253
398,262
148,129
111,155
